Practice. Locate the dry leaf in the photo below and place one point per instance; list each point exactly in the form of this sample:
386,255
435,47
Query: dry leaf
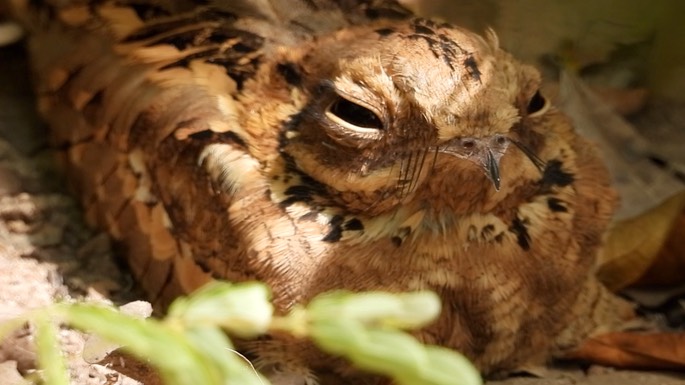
652,198
634,350
641,183
668,268
634,246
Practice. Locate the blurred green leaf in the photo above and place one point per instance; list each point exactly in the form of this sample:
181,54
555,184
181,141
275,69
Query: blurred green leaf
49,354
402,311
243,309
10,325
164,346
217,348
395,354
190,347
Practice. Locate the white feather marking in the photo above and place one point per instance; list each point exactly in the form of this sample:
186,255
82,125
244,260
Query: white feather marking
230,168
143,192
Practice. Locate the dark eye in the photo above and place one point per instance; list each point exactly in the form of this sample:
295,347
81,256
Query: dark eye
346,113
537,104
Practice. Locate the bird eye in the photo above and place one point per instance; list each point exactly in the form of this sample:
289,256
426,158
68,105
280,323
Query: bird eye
353,116
537,105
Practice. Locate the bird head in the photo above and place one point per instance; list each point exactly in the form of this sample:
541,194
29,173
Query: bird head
400,109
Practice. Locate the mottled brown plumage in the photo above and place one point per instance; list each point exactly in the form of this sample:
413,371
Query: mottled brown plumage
320,145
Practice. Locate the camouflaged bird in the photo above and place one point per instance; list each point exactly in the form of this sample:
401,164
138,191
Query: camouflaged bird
320,145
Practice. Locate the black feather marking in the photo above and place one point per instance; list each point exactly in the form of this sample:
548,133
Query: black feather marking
432,44
401,234
306,190
518,227
440,45
185,61
203,266
208,135
202,135
290,73
487,231
353,224
290,125
155,28
233,137
423,30
387,12
556,205
236,50
335,234
554,175
450,51
298,193
472,67
310,216
385,31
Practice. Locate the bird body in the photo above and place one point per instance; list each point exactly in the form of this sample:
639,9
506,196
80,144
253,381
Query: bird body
321,145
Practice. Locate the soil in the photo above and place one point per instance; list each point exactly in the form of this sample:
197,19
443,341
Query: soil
48,254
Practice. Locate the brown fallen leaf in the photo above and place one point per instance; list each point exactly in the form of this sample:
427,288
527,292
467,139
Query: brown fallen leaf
634,247
668,268
645,244
634,350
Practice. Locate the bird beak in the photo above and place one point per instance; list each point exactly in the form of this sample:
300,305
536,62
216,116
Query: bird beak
491,168
485,152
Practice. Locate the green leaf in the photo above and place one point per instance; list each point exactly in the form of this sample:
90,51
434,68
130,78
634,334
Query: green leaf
190,347
50,357
403,311
9,326
164,346
243,309
381,351
447,366
218,350
394,354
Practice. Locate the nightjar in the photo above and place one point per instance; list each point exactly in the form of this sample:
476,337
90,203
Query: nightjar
319,145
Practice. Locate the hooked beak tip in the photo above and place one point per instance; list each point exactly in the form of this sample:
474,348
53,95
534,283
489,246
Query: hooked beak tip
492,169
485,152
495,183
